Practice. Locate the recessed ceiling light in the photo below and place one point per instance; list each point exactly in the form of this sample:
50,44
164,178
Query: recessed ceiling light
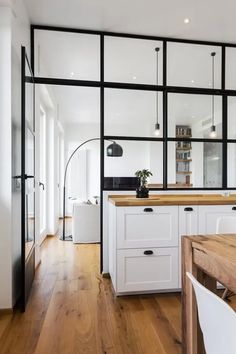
192,81
134,77
72,74
186,20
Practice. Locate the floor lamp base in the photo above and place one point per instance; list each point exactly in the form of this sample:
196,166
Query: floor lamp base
66,238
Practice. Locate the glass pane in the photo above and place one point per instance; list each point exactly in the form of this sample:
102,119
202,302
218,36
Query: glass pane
29,192
232,165
132,60
29,96
132,113
77,112
190,65
194,165
230,68
67,55
232,117
137,155
194,112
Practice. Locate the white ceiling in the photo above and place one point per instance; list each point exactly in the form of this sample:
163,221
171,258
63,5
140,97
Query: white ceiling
209,19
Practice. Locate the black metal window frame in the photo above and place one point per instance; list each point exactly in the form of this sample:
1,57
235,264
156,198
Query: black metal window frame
164,88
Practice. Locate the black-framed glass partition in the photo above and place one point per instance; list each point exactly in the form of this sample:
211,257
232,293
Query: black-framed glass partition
186,88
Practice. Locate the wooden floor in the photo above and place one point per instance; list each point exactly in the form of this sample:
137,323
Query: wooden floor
72,310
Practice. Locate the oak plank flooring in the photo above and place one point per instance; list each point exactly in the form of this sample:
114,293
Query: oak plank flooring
72,310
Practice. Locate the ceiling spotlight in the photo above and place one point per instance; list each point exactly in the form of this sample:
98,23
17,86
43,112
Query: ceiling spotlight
186,20
134,77
72,74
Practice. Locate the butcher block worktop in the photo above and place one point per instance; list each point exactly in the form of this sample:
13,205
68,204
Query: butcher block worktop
172,199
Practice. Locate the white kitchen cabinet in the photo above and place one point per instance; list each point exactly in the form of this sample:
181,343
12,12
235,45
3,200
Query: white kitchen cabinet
145,243
147,269
208,215
188,225
140,227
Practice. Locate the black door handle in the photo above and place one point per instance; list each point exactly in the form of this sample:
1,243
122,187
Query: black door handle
28,176
148,210
234,208
41,184
188,209
148,252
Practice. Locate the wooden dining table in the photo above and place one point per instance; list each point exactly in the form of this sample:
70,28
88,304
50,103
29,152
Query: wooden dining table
209,258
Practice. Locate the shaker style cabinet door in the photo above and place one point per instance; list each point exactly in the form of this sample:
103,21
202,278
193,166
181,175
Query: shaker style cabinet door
188,225
140,227
208,215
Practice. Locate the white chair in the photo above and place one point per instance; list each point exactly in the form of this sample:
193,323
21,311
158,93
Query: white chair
226,225
217,320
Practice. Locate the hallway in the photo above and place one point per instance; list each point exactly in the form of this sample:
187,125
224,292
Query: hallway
72,310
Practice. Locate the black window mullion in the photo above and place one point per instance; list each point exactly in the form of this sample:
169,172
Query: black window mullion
225,142
101,146
165,119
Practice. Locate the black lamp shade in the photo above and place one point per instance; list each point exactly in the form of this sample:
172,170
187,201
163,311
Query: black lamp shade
114,150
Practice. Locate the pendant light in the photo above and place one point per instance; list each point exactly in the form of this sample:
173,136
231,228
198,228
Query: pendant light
213,127
157,125
114,150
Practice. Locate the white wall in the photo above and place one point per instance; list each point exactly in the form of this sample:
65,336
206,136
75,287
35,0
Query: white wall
46,99
14,32
84,168
20,36
5,161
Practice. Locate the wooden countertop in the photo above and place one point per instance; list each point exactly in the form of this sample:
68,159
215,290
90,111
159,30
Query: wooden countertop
172,199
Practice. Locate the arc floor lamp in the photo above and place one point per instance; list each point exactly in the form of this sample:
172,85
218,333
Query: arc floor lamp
113,150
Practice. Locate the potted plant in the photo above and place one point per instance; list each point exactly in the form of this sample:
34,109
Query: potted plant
142,191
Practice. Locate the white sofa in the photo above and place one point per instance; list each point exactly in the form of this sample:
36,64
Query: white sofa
86,223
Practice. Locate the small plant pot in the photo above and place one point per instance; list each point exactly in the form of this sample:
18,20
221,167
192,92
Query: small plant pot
142,192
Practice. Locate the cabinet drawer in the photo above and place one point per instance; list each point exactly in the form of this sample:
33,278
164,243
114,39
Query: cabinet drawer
137,271
140,227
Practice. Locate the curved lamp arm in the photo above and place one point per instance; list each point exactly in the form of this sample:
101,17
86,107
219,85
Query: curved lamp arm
64,185
78,147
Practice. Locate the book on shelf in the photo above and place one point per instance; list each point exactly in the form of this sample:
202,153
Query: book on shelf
183,131
183,145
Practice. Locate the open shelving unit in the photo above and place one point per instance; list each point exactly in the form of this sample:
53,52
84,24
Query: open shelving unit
183,156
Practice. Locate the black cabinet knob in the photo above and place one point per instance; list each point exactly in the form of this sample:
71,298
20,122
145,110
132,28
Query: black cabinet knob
148,210
234,208
188,209
148,252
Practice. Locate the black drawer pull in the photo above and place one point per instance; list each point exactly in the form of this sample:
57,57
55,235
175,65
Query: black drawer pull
234,208
188,209
148,210
148,252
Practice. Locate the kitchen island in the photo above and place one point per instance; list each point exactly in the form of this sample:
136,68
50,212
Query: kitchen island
145,236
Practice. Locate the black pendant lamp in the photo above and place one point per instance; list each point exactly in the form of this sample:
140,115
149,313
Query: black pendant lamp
114,150
213,127
157,125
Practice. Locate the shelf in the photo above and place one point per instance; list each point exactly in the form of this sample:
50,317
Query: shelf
184,172
183,136
184,185
181,160
184,148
